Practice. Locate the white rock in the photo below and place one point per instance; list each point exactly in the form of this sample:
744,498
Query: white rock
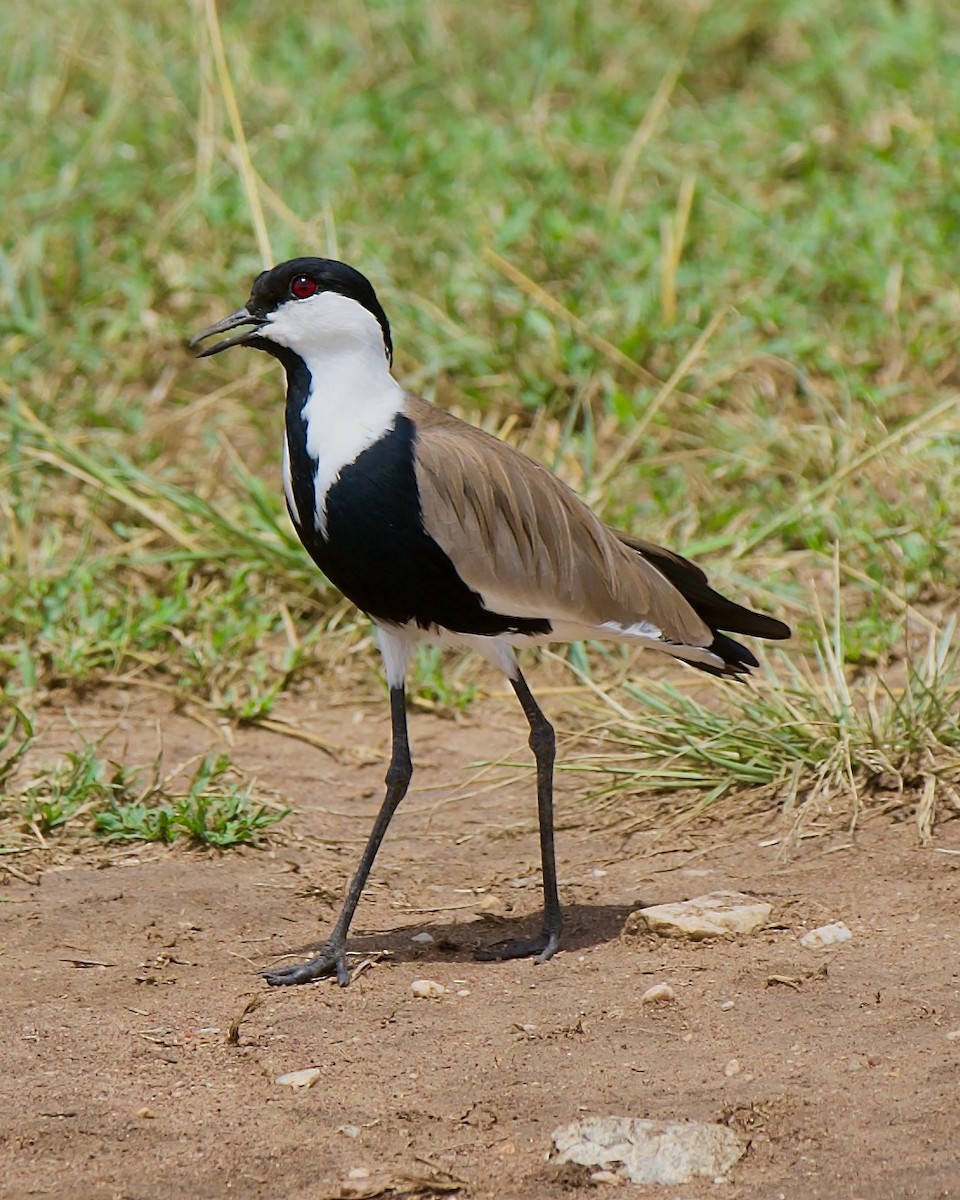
605,1177
423,938
427,989
732,1068
712,915
299,1079
826,935
650,1151
726,1005
660,993
953,1035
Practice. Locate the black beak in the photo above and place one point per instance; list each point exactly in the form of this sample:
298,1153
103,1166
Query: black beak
240,318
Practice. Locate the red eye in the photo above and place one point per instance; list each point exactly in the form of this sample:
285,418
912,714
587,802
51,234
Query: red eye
303,286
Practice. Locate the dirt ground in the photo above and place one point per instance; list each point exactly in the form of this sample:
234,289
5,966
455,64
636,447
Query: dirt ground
118,1078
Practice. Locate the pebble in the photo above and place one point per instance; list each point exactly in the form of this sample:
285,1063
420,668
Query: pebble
427,989
358,1173
423,938
826,935
732,1068
953,1035
660,993
727,1005
299,1079
712,915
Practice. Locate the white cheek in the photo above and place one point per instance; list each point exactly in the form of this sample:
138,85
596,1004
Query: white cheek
325,324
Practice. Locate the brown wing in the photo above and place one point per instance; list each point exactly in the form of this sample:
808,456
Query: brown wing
527,544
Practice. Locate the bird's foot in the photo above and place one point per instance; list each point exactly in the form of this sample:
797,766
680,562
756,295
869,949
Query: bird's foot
330,961
543,946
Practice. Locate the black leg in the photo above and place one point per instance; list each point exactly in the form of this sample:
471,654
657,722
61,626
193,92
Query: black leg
543,743
330,960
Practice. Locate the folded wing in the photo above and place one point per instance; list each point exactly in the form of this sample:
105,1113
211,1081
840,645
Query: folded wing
530,547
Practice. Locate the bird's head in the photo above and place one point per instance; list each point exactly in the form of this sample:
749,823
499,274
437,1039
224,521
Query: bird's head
312,307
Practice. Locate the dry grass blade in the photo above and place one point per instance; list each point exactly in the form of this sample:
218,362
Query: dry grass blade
233,1034
647,127
673,232
247,173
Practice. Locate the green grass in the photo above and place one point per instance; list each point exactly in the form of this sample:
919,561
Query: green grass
83,792
214,811
705,266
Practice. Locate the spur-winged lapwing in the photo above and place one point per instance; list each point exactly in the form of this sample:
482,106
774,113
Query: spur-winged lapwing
441,532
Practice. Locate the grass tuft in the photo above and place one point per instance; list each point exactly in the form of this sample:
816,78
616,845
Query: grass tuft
214,811
85,793
807,741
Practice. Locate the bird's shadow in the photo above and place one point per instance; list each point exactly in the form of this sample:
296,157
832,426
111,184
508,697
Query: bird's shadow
584,925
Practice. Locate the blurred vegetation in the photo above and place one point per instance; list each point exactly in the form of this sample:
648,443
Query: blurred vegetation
563,205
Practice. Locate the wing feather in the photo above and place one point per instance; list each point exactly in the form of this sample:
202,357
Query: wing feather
529,545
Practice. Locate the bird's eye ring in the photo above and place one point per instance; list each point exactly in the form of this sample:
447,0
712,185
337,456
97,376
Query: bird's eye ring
302,286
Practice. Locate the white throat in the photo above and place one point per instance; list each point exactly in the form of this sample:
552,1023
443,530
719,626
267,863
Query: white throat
353,399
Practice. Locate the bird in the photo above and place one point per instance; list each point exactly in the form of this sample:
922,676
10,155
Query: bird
441,532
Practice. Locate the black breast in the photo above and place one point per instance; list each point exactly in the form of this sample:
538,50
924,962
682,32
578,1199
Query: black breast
376,550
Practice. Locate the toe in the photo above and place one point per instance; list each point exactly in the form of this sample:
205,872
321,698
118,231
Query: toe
326,963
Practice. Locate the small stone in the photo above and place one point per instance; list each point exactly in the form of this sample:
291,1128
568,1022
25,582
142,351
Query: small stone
423,938
146,1113
427,989
713,915
732,1068
605,1177
660,993
826,935
350,1131
953,1035
299,1079
727,1005
358,1173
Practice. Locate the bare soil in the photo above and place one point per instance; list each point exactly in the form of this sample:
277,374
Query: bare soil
126,968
